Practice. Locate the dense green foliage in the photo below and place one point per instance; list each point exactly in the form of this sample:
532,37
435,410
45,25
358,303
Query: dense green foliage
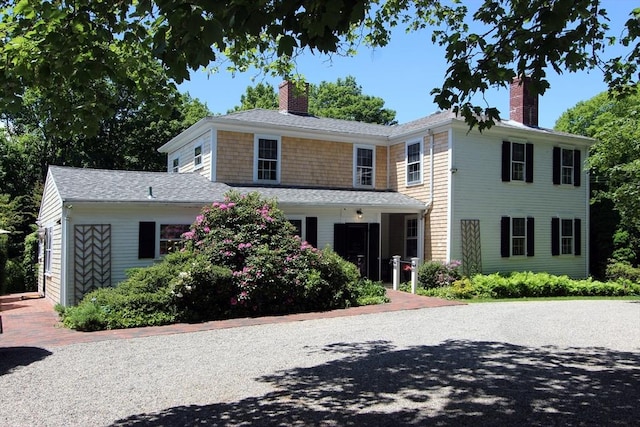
33,140
434,274
241,258
342,99
527,284
614,161
67,50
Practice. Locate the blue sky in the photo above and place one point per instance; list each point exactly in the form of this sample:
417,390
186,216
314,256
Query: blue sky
403,74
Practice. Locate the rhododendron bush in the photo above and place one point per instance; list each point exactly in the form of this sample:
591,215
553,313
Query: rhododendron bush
270,270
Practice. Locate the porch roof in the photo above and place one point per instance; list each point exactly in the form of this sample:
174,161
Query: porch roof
116,186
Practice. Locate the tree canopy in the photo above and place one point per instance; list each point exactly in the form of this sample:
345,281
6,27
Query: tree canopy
73,44
614,158
342,99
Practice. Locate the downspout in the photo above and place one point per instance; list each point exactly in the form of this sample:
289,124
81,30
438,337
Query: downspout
429,205
63,254
388,166
587,213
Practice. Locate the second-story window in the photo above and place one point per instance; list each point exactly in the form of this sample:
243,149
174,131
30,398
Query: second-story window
267,159
414,162
364,166
197,157
517,161
175,167
567,167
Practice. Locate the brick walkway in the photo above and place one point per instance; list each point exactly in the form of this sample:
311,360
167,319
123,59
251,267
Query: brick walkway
29,321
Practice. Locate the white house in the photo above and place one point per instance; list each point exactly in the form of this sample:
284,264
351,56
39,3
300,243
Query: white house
514,197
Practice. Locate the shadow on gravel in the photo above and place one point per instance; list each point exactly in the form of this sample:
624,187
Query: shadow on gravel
12,357
454,383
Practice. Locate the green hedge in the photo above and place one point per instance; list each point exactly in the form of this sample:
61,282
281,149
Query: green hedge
530,285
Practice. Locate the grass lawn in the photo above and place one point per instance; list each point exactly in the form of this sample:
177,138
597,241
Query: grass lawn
482,300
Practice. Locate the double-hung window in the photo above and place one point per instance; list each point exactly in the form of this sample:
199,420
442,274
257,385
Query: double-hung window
517,236
566,166
566,236
48,249
171,237
517,161
364,160
414,162
197,157
267,159
411,227
175,165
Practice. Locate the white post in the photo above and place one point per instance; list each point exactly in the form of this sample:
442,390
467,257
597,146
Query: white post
414,274
396,272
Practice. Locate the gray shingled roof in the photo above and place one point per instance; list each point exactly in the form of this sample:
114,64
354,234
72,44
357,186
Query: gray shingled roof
100,185
324,197
260,116
347,127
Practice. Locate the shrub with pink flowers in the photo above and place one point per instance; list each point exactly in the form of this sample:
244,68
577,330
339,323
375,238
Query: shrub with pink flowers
271,270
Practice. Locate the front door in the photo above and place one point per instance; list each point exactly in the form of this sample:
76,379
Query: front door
359,243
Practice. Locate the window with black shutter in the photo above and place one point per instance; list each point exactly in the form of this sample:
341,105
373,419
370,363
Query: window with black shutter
147,240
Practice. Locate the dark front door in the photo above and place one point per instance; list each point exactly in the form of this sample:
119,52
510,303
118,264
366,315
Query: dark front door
359,243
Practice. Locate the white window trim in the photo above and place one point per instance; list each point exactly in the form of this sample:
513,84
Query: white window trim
573,165
512,236
175,169
197,166
256,139
406,235
573,236
356,182
159,253
421,161
303,226
48,250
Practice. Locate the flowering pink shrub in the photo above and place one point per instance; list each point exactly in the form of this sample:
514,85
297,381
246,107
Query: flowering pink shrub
270,269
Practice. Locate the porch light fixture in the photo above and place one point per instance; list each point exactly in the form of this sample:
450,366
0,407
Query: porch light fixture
359,213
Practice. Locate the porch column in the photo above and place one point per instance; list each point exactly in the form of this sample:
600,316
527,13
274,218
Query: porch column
396,272
414,274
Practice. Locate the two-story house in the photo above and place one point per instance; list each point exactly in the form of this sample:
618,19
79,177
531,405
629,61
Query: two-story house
514,197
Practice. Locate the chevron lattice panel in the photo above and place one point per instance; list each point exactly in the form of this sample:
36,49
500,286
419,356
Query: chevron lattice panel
471,254
92,263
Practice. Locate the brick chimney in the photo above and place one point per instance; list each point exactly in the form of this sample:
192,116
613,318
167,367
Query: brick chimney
292,100
523,107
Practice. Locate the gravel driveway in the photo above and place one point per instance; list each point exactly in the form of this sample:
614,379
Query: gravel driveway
520,363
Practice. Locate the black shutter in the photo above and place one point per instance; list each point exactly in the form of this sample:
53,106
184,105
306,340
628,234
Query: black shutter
147,240
530,236
556,165
374,250
340,239
505,236
529,163
577,236
312,230
506,161
555,236
577,168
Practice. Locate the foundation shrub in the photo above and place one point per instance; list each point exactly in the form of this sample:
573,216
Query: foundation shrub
435,274
622,271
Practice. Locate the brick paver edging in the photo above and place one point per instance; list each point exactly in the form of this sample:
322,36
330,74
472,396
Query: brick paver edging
29,321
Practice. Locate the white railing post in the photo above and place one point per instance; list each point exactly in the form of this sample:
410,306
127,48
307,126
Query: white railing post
396,272
414,274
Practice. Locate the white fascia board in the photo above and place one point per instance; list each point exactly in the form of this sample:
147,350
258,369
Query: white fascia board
187,135
421,132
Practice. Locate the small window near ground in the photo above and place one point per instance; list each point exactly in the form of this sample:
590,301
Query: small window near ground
171,237
197,157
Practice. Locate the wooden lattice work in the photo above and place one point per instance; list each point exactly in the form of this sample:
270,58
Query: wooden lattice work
92,263
471,253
